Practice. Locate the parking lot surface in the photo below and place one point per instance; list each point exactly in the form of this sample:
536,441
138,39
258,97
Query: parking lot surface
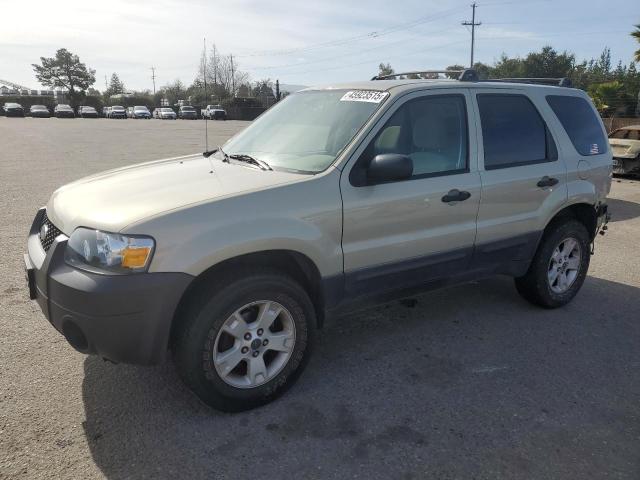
471,382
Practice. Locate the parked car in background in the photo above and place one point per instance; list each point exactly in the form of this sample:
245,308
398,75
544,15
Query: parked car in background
39,111
214,112
13,109
139,111
187,112
63,111
164,113
88,112
625,145
339,196
117,111
105,112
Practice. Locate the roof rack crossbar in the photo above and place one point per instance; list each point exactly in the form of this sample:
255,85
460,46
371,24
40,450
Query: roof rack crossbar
420,72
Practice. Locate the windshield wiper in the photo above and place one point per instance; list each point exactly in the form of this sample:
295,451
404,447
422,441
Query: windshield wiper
241,157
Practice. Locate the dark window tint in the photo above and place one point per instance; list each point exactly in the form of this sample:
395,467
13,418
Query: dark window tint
432,131
580,122
513,133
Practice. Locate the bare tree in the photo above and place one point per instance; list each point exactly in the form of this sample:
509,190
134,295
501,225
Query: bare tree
223,76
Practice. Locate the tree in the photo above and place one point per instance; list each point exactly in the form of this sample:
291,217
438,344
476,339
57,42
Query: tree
636,34
223,75
174,91
115,86
67,71
606,96
454,74
385,69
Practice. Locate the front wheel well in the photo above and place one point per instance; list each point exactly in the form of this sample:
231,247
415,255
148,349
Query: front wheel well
583,212
294,264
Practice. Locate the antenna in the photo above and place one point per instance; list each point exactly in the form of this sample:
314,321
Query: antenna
204,75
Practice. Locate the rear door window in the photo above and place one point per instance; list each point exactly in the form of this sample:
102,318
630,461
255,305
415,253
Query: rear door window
580,122
513,132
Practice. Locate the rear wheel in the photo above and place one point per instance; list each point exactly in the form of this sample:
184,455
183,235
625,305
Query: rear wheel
245,340
559,267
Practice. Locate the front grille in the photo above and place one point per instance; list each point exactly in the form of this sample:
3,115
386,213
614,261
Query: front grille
51,232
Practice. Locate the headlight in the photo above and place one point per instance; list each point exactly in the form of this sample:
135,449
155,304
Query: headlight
113,253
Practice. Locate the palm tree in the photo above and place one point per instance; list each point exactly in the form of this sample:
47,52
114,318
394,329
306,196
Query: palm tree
636,34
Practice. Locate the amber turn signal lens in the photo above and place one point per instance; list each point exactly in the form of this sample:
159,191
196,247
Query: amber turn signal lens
135,257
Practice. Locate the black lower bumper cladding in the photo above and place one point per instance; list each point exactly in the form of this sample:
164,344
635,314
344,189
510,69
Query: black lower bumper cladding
123,318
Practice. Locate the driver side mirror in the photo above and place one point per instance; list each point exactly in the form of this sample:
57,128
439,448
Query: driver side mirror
389,167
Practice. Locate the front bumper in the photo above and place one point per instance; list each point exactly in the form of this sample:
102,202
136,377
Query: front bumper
123,318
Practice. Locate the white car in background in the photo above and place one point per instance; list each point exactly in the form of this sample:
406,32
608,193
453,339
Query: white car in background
625,145
214,112
164,113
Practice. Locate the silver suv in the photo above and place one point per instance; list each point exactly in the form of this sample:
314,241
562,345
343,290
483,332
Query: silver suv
335,197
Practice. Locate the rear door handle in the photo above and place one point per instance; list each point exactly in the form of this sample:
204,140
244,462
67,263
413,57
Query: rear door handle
547,182
456,195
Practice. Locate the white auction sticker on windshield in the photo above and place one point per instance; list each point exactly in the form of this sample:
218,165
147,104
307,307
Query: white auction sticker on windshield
364,96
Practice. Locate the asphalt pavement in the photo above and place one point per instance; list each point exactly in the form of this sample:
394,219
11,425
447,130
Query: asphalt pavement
470,383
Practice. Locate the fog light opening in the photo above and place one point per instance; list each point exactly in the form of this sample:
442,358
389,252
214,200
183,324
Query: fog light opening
74,336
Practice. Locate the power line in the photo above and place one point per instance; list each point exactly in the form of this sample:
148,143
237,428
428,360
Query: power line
473,26
348,54
343,41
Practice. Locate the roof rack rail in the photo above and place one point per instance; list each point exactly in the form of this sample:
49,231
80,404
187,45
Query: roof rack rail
420,72
470,75
560,82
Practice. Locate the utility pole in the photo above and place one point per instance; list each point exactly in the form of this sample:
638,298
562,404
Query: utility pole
233,78
153,77
473,26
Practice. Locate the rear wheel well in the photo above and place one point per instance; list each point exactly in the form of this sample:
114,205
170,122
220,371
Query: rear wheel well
294,264
583,212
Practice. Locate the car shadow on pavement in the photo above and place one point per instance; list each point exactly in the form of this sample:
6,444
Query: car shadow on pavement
471,382
623,210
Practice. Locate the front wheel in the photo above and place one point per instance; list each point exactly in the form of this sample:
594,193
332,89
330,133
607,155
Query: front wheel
559,266
245,340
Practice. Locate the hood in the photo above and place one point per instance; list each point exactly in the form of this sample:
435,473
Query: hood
112,200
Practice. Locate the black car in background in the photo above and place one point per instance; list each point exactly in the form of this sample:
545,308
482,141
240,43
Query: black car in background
187,112
63,111
39,111
13,109
87,112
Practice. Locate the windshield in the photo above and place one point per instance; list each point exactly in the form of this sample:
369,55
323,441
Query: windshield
306,131
141,108
166,110
117,108
38,107
188,109
63,107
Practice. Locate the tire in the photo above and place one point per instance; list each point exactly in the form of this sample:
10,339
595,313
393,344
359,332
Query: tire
198,344
537,285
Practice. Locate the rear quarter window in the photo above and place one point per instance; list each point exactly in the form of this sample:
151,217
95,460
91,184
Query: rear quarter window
580,122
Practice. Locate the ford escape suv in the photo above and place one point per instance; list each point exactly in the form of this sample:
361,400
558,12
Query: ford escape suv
335,197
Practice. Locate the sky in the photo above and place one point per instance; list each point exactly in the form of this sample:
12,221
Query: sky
300,42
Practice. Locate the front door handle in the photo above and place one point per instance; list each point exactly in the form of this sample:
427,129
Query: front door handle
547,182
456,195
